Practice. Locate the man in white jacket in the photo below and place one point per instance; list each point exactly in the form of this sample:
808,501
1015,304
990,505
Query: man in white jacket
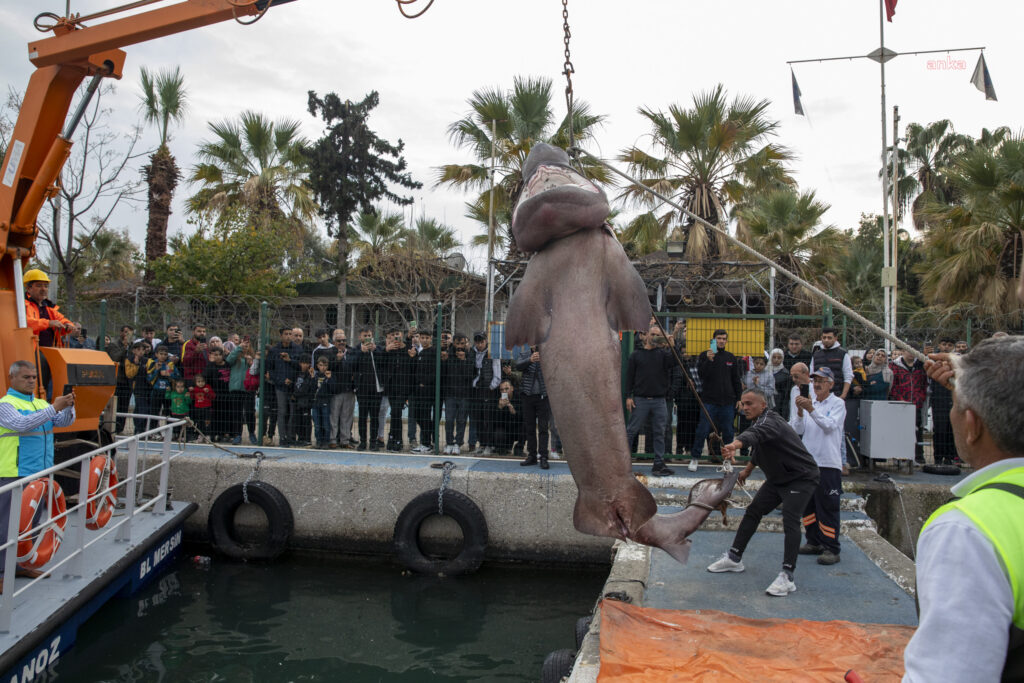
819,421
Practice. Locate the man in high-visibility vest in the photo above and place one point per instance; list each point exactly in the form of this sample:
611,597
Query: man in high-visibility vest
970,555
26,438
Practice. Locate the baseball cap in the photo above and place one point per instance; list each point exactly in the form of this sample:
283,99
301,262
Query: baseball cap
477,336
824,372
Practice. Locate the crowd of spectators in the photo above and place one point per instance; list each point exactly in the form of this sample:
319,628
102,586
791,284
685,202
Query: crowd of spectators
326,393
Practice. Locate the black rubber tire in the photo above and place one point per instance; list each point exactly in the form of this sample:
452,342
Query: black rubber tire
557,665
460,508
948,470
582,627
221,523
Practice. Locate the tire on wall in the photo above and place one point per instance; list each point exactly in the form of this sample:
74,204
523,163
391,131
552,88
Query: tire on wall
463,511
221,522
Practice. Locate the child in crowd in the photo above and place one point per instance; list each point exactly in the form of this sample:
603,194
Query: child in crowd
760,377
323,390
217,375
202,404
303,389
160,372
180,401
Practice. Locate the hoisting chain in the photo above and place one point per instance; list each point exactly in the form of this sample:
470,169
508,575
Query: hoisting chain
254,475
446,478
568,70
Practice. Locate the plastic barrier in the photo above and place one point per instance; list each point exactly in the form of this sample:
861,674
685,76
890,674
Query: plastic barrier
645,645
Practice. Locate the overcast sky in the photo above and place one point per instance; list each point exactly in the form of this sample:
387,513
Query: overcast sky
642,53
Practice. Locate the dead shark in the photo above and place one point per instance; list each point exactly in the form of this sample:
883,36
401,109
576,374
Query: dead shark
578,292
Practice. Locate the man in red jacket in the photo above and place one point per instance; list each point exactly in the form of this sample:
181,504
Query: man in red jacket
910,384
194,354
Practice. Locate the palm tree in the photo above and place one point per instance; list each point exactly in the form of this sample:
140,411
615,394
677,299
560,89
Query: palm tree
431,238
376,233
256,166
164,100
785,226
974,247
106,255
706,158
521,117
922,166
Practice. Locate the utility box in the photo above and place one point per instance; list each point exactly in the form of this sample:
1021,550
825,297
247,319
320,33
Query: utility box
888,429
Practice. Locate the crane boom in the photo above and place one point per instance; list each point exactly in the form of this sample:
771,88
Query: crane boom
39,148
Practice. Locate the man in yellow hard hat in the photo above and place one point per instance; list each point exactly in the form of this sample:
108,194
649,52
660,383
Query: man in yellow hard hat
46,321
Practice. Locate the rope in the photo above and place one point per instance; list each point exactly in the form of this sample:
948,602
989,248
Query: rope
760,257
403,3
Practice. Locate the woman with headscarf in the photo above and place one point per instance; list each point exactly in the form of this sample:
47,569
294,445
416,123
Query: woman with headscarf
879,377
783,382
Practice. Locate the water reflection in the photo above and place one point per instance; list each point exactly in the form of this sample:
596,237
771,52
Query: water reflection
321,619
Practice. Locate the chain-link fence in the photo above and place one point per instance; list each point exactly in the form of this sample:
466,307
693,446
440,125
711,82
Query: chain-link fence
411,391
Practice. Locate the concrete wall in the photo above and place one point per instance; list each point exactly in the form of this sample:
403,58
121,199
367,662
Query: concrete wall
353,508
900,522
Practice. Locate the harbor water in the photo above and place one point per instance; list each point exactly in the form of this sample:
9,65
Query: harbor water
327,618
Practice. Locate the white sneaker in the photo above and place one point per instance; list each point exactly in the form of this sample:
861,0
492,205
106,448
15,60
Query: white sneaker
781,586
724,564
692,466
488,451
421,449
456,450
553,454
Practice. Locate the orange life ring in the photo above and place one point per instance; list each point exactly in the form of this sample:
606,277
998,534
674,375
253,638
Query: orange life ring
41,501
100,507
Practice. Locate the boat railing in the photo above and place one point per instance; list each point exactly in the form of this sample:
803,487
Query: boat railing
152,440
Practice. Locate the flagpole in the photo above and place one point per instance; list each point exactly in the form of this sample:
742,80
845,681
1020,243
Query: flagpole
886,261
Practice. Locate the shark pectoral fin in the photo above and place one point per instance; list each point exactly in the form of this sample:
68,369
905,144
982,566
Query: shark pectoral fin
627,305
671,532
529,312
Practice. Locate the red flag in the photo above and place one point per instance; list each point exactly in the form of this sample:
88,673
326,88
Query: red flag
890,8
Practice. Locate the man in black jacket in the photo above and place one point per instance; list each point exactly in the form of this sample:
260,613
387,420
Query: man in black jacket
720,390
536,413
396,384
791,477
457,372
369,388
648,381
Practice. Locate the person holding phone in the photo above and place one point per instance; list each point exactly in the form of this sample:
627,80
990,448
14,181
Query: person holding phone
720,390
28,422
536,408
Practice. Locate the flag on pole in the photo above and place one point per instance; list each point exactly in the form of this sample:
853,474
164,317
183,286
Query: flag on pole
981,80
797,106
890,9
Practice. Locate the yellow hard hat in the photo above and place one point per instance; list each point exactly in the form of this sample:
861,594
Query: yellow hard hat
35,275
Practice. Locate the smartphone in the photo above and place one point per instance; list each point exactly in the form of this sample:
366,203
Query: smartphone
504,396
67,389
714,346
805,390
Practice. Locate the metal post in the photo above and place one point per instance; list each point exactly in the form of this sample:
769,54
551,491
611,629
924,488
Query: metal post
262,351
124,533
160,506
771,308
886,260
103,326
895,209
11,559
490,228
437,380
19,292
136,316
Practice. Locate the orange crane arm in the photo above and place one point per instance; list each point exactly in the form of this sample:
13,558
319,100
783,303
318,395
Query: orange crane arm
41,142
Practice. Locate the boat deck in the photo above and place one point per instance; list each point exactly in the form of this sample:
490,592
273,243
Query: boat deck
47,613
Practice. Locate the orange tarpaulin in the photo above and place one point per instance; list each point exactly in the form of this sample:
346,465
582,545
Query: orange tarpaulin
645,645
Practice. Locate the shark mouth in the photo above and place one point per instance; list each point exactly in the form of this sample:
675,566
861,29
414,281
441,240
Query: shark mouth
550,177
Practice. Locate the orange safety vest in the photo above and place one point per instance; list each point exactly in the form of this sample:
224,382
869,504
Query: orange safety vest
38,324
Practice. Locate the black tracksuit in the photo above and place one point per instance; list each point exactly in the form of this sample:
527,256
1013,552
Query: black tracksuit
791,478
396,385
